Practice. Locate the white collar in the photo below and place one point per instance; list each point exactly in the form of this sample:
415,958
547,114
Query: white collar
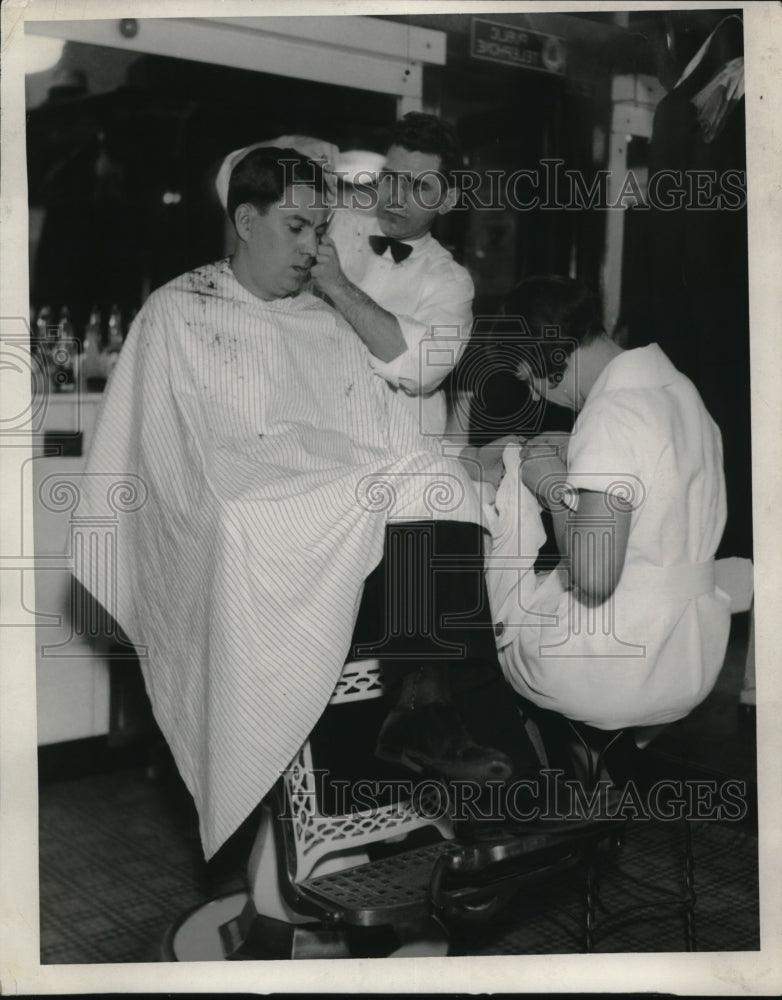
639,368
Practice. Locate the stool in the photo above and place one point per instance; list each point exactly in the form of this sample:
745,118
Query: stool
592,747
734,577
683,902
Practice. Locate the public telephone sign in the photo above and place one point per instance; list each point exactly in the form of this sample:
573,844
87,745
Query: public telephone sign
515,46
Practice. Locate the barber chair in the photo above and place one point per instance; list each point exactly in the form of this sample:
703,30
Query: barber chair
379,882
592,764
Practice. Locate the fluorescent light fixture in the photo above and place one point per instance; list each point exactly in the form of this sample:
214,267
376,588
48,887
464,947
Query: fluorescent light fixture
41,53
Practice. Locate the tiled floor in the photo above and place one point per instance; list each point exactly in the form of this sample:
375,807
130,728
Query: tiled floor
120,860
118,866
648,865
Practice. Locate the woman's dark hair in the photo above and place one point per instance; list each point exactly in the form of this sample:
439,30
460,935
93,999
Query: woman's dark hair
422,133
545,319
261,177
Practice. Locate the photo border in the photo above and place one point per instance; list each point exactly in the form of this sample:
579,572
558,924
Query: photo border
722,973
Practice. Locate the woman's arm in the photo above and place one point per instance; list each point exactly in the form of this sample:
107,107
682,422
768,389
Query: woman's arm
591,528
593,540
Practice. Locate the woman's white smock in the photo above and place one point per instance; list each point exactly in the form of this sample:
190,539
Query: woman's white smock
654,649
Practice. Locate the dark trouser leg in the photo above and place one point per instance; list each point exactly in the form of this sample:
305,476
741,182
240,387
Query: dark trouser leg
426,605
425,615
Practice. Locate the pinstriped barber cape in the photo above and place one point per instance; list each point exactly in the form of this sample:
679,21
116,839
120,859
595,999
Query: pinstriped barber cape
271,458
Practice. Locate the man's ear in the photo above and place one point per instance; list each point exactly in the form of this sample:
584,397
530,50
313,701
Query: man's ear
243,218
449,202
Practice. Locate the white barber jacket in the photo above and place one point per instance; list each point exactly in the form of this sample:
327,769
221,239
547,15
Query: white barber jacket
431,297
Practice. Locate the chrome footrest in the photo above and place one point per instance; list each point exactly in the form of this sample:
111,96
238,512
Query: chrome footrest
445,877
394,887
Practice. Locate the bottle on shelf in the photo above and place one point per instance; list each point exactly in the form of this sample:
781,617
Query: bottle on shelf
92,373
40,348
116,336
64,353
45,331
33,330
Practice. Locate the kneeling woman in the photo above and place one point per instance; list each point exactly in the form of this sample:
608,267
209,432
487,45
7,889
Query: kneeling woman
630,629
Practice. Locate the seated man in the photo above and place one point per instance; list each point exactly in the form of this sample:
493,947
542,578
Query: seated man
631,629
271,461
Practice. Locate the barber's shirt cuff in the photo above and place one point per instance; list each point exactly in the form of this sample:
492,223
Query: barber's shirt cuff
421,368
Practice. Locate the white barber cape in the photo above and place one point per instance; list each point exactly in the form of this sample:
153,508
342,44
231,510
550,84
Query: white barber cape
653,651
268,458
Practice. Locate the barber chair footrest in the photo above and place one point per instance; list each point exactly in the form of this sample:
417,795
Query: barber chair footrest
391,890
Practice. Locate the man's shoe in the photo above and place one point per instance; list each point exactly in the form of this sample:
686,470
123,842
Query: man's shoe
432,740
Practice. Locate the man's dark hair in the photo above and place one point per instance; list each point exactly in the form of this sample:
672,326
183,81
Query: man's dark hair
261,177
545,319
422,133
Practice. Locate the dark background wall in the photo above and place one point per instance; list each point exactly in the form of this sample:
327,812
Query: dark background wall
123,150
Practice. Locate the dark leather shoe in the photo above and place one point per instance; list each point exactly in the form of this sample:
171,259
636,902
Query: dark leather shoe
432,739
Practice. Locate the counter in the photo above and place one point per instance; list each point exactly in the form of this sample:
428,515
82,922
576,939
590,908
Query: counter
72,673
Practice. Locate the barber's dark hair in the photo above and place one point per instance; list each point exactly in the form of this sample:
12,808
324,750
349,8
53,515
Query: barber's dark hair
545,319
261,177
422,133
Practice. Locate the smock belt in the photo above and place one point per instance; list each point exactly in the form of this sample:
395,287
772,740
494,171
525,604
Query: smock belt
679,582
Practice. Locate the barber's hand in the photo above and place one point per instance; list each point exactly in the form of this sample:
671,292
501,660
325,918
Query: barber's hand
324,153
327,271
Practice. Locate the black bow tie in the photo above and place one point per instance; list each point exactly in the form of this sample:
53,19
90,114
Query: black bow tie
399,251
